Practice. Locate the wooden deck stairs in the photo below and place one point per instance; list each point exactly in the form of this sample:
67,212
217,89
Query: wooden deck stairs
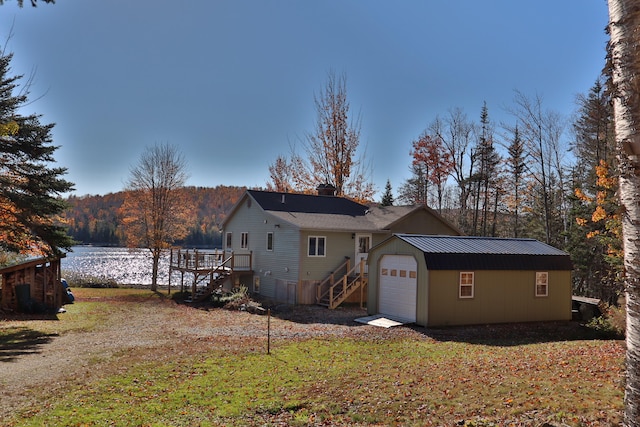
210,269
202,293
341,284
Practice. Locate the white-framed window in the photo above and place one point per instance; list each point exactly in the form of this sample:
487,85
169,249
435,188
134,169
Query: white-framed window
542,284
270,241
229,240
317,246
466,288
244,240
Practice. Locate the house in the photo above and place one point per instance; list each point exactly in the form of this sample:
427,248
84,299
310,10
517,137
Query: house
32,286
304,245
458,280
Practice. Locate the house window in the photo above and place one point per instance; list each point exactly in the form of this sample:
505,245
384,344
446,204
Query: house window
466,285
542,284
229,240
244,240
317,246
269,241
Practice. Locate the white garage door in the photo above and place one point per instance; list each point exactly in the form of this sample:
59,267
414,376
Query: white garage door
398,287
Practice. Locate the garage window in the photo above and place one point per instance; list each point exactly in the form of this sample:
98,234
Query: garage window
542,283
466,285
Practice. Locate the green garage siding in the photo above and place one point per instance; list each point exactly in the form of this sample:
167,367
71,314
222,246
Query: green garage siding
500,295
504,296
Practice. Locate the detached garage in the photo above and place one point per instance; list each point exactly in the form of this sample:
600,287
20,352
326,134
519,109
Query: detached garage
459,280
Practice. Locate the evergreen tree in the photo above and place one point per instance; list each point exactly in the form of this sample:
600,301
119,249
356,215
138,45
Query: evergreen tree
592,237
387,197
516,168
30,188
485,179
593,130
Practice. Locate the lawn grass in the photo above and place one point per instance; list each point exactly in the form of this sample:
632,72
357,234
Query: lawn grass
344,381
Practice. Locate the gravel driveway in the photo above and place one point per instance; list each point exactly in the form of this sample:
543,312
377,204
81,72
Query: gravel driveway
157,330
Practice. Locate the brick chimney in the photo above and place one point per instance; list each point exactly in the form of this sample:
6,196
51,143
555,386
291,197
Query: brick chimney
326,190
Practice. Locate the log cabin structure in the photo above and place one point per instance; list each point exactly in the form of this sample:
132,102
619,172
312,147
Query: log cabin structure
32,286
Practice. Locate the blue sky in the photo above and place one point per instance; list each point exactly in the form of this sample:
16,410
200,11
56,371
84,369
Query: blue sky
232,82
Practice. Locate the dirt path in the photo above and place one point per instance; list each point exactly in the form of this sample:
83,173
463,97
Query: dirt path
43,367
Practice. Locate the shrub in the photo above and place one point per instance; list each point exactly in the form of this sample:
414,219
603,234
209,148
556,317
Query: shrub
236,298
612,323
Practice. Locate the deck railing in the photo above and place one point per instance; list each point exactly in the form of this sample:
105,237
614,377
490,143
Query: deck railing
338,286
194,260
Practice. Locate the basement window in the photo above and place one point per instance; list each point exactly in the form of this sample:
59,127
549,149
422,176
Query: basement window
466,285
542,284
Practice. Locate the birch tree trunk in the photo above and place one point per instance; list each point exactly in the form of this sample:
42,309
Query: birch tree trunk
624,27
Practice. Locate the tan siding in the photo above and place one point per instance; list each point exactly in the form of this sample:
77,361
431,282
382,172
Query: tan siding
338,246
500,297
422,222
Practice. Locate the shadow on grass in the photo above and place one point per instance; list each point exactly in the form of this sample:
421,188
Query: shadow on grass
504,335
16,342
514,334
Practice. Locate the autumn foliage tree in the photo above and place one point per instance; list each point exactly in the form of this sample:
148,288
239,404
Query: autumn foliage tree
430,156
30,188
153,213
281,176
330,151
603,227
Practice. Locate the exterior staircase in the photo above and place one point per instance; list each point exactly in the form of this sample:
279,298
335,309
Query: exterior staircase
216,266
341,284
204,292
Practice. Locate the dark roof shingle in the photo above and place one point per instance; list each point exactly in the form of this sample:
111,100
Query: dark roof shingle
307,203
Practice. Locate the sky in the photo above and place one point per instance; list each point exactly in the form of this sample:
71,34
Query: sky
232,83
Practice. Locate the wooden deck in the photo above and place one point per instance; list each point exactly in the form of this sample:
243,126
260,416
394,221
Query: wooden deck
208,267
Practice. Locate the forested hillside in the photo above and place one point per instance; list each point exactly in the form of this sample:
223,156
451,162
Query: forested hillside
96,219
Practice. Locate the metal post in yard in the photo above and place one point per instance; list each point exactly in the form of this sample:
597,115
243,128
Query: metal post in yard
268,331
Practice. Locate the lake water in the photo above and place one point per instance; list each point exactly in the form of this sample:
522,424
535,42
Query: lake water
122,265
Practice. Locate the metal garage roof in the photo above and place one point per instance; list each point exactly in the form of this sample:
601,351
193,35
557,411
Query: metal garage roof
487,253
